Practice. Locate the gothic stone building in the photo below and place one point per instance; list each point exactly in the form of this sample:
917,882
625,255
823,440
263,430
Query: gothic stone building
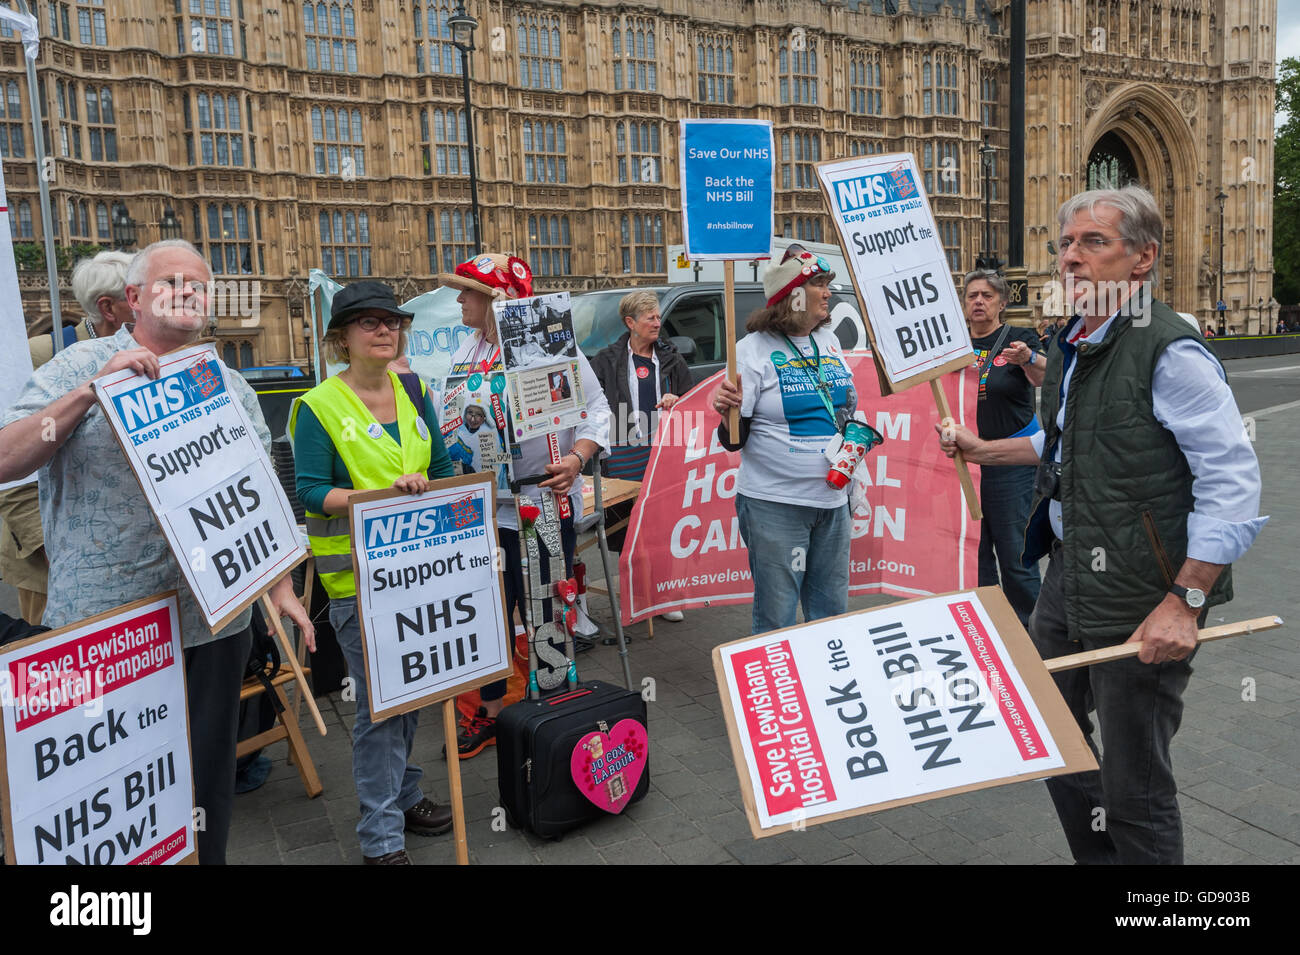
332,133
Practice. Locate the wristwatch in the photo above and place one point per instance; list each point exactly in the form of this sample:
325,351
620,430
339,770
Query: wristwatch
1195,599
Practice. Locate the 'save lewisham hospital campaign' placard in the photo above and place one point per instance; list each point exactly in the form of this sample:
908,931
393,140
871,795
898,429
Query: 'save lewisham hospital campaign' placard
889,706
96,742
432,603
205,474
898,266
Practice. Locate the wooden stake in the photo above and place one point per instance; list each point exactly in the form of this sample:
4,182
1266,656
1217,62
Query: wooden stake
967,486
729,310
290,654
453,780
1122,650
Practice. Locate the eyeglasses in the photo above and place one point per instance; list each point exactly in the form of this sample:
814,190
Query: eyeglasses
393,323
1088,244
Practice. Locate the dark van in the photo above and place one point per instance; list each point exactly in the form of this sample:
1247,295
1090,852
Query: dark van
694,319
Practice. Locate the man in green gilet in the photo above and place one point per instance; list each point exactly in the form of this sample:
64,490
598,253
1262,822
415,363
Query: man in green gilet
1147,491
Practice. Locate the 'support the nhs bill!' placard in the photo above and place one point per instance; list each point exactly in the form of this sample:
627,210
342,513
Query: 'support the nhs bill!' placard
96,742
429,591
889,706
207,478
898,265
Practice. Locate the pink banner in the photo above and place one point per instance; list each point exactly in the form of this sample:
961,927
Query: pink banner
915,539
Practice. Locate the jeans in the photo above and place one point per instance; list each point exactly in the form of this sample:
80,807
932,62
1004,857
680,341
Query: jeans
1128,812
1005,496
796,555
387,783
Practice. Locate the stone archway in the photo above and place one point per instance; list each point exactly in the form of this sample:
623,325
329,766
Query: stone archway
1146,121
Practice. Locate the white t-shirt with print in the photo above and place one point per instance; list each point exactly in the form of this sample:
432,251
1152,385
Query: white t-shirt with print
790,427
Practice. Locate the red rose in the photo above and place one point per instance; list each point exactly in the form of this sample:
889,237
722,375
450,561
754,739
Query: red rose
530,512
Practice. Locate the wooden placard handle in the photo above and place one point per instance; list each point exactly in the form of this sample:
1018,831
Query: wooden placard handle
453,780
1122,650
729,311
967,486
290,654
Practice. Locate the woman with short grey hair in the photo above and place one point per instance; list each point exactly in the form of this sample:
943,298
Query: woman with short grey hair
1009,367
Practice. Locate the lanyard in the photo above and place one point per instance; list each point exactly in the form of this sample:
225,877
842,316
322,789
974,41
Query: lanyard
486,365
823,389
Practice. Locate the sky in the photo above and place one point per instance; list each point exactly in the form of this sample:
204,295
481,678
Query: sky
1288,28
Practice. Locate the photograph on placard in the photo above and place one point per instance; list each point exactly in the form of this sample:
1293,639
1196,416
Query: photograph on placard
476,425
546,399
535,331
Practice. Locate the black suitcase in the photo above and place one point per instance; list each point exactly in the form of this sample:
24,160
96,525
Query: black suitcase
535,740
537,737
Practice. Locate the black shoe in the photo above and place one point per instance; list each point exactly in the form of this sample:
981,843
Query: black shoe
582,644
427,818
392,858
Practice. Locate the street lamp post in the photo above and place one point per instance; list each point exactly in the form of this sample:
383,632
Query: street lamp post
462,27
987,260
1219,306
169,227
123,228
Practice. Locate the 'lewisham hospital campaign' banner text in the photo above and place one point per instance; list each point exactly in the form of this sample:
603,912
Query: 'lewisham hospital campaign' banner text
915,537
207,478
890,706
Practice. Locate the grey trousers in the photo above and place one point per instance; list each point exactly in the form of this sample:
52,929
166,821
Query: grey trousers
1128,812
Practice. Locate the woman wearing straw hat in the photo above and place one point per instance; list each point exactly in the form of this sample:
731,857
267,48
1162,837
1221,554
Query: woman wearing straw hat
795,393
363,430
482,280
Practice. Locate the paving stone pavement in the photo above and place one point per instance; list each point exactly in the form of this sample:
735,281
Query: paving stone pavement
1236,756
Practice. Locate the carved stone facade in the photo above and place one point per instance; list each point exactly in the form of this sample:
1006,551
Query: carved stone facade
299,135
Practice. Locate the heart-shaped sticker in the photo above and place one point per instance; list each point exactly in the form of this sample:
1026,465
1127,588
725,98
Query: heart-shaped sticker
606,771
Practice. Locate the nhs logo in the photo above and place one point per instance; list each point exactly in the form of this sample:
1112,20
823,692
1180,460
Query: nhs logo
155,400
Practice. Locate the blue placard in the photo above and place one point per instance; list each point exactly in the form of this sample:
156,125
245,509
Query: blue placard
727,167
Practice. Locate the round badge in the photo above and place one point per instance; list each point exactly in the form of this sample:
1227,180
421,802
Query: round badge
778,358
498,384
422,428
484,264
643,372
518,268
999,361
375,430
807,270
473,381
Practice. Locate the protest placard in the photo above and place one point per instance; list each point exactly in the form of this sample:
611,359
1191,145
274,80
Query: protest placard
914,538
431,599
898,266
207,478
476,427
540,355
727,169
96,742
884,707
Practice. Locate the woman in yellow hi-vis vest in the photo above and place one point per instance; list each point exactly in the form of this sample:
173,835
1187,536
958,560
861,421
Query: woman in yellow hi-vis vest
362,430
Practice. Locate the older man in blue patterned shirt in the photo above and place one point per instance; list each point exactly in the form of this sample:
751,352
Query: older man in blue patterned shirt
105,548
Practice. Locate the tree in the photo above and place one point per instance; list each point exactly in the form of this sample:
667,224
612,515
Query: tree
1286,186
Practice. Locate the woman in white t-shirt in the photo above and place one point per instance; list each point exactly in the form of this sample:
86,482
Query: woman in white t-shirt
794,394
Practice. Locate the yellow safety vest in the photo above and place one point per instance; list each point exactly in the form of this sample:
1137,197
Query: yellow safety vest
373,459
